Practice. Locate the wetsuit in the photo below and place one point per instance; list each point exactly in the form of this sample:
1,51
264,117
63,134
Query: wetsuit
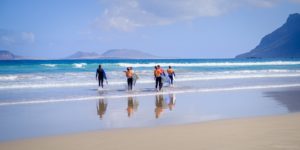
129,75
129,82
158,79
170,74
100,75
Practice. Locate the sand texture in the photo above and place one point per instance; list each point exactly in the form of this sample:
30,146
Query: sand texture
265,133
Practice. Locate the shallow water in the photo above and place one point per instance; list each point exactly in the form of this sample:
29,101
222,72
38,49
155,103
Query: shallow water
44,119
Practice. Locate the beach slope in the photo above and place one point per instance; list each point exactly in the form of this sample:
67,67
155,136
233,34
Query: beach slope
274,132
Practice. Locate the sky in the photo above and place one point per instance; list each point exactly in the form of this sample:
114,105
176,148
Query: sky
166,28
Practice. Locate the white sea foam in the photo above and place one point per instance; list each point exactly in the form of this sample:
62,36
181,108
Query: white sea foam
215,64
149,94
8,77
79,65
237,77
49,65
262,71
21,77
183,78
47,85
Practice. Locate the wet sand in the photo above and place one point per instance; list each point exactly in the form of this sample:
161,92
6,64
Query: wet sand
265,133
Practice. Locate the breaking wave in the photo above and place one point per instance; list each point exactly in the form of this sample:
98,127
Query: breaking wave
212,64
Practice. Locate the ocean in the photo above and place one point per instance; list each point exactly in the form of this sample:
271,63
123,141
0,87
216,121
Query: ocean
54,97
25,81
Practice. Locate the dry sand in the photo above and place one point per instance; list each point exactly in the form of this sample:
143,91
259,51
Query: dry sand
265,133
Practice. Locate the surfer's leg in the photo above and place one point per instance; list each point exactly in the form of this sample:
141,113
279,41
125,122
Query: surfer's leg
171,79
131,83
127,83
101,81
156,82
160,83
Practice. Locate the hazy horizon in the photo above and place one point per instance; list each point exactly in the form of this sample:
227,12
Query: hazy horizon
187,29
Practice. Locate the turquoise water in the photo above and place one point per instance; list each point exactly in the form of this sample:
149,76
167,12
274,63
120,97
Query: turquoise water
62,66
33,80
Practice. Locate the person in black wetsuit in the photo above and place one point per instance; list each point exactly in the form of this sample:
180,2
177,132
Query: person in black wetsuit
129,75
171,74
158,72
100,75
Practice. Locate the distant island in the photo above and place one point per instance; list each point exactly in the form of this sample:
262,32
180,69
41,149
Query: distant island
113,54
84,55
109,54
282,43
7,55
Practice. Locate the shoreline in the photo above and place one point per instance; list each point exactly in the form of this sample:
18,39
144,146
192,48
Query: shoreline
267,132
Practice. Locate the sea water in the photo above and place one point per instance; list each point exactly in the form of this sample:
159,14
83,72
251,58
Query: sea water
47,80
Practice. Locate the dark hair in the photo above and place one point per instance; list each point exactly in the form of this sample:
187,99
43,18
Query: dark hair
170,67
99,66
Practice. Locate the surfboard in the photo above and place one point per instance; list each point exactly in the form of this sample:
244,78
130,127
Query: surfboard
165,79
135,77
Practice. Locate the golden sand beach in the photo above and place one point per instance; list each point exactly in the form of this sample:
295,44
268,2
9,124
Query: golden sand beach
260,133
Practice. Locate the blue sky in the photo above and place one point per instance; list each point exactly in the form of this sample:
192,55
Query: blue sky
176,28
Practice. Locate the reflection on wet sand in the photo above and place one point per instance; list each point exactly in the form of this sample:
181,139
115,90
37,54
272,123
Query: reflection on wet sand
101,108
162,103
288,98
132,105
171,101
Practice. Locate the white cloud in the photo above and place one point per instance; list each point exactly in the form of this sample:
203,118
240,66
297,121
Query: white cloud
296,1
28,36
126,15
6,40
263,3
12,38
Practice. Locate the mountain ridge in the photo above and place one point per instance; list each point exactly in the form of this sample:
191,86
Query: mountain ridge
284,42
7,55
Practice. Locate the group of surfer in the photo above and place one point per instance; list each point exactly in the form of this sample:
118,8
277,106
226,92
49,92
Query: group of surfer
159,75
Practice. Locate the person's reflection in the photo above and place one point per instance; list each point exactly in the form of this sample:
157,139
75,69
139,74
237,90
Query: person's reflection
132,105
160,105
171,102
101,108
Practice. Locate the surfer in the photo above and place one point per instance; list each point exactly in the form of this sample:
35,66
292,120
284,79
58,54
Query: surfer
100,75
129,75
163,75
158,72
171,74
